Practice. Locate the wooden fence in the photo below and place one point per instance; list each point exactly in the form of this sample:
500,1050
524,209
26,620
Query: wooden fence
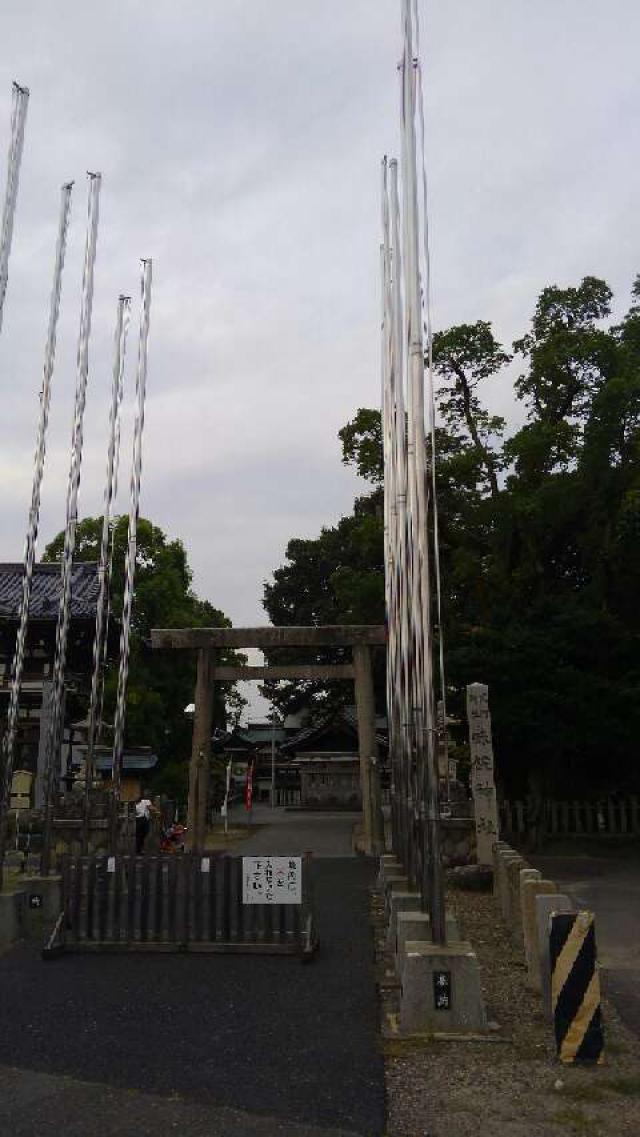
179,902
610,817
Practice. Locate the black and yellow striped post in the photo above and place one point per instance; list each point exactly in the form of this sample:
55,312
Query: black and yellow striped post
575,987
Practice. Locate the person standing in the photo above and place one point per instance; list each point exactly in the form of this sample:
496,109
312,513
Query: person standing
144,809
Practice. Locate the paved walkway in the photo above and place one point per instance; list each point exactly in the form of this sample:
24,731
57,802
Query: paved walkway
51,1106
244,1046
610,887
283,833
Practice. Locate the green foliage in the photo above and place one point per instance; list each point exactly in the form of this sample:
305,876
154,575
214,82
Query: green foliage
362,445
161,683
540,542
337,578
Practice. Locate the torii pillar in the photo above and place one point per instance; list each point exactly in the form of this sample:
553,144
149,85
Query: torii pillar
201,750
373,823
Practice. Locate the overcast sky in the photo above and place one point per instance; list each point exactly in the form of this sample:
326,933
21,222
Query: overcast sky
239,142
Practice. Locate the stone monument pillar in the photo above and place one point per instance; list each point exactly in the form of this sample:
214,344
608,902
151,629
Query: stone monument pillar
483,786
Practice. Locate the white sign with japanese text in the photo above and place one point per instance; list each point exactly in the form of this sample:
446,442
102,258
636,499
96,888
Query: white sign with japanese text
272,880
482,782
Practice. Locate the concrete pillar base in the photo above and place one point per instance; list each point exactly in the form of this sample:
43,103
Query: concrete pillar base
30,911
415,926
389,864
509,863
43,904
463,1009
11,907
398,882
528,892
400,900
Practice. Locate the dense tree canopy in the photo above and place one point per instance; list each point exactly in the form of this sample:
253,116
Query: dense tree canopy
161,684
540,540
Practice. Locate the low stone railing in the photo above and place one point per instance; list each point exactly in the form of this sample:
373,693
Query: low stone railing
526,900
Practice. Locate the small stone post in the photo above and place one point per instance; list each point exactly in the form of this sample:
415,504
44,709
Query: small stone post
482,783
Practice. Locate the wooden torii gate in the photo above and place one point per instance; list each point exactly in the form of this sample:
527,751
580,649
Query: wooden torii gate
208,641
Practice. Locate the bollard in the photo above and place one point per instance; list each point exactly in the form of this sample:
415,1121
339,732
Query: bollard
529,889
575,988
511,862
516,881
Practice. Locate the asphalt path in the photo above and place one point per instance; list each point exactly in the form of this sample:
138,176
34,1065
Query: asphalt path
248,1045
609,887
291,833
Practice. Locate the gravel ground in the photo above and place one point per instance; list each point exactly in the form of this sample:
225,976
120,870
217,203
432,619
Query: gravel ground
510,1085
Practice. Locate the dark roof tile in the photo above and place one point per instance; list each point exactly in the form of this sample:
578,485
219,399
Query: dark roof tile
45,591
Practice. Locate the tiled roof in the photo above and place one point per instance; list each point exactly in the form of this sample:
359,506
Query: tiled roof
45,591
345,719
134,758
129,762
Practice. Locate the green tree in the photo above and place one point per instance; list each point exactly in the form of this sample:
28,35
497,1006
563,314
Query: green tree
161,683
540,541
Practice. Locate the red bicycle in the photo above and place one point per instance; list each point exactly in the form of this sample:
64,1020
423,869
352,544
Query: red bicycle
172,839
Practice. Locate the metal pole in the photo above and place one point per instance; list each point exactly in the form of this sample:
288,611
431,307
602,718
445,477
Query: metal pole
432,416
426,728
34,519
403,571
99,641
130,563
18,119
56,725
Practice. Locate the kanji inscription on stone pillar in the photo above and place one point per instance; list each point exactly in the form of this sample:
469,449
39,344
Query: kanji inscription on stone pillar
482,782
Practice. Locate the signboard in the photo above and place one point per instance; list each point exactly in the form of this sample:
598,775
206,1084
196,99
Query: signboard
272,880
442,990
35,900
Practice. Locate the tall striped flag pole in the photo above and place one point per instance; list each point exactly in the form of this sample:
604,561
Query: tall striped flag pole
425,717
56,724
110,490
18,119
130,563
403,562
34,517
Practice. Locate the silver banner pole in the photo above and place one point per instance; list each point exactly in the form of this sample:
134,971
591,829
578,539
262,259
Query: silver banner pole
56,725
18,120
99,641
426,727
34,518
130,563
403,572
